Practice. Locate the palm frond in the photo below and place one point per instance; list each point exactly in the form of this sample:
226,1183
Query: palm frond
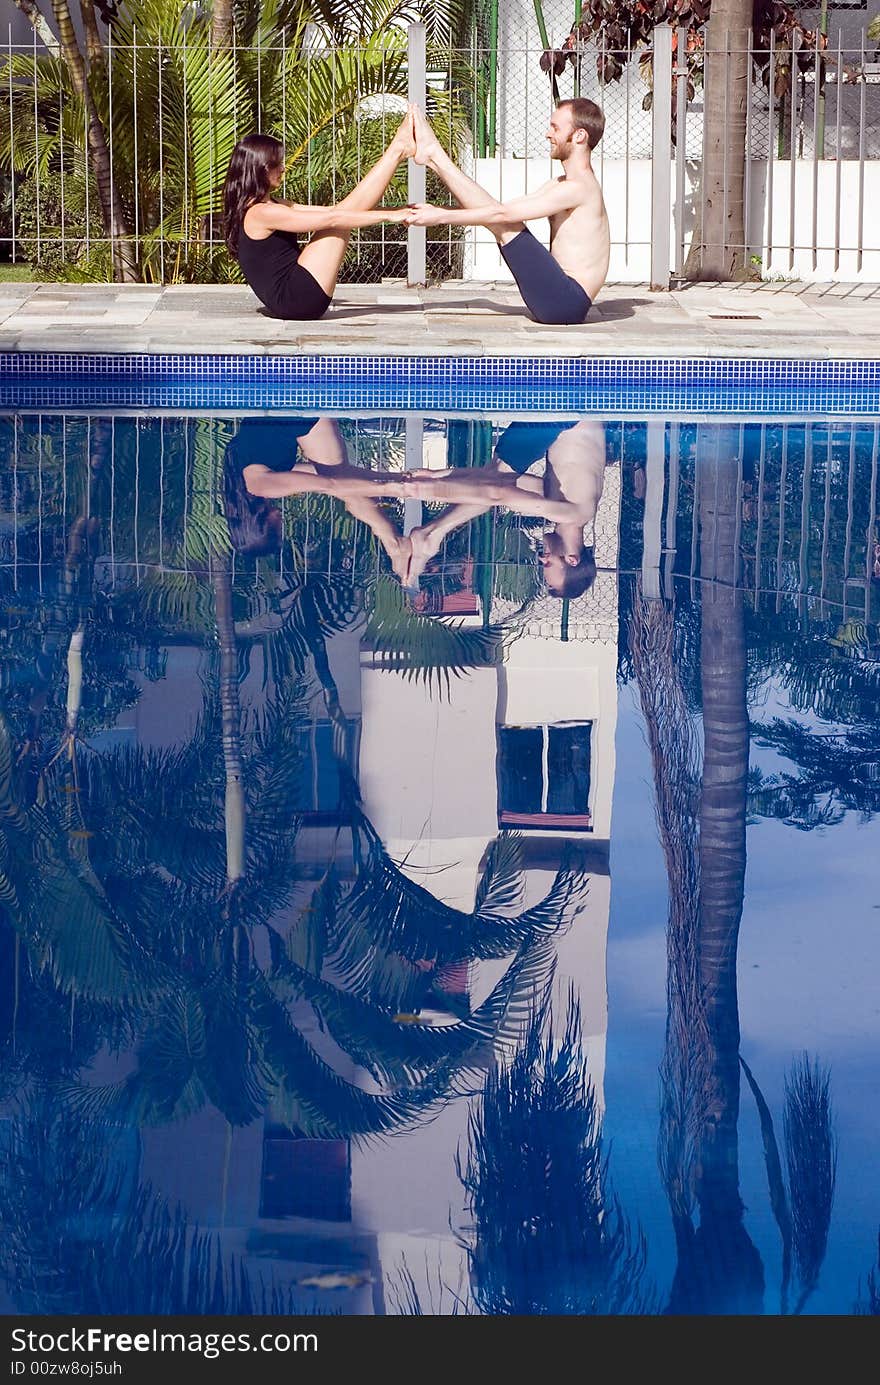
425,648
550,1237
394,1052
309,1096
386,912
775,1181
501,885
811,1159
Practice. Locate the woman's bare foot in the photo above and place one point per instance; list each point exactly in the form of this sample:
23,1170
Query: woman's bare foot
404,141
426,544
400,552
428,145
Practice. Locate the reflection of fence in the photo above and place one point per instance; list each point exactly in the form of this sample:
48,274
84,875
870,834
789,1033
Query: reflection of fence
808,520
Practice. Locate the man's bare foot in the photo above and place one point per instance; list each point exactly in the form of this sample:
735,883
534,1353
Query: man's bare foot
400,553
404,139
427,143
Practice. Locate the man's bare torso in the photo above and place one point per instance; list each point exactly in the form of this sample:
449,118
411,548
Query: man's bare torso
580,239
576,467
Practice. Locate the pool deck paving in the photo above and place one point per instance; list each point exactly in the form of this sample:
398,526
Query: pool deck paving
777,319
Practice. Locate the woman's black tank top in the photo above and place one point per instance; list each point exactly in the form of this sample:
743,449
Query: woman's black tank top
267,263
282,284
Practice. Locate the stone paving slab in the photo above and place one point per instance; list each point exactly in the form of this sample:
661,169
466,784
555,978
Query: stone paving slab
770,319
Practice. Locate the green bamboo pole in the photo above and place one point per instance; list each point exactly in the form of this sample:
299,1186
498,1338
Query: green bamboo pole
479,93
819,72
545,41
493,74
578,11
542,27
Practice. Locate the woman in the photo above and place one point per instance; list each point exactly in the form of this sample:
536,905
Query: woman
263,233
262,467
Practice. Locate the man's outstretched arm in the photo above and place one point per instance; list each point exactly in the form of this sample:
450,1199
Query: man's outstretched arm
554,197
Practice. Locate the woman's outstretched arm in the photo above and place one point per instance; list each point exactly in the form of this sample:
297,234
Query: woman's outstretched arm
278,216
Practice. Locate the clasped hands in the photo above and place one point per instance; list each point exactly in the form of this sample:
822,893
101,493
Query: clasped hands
418,214
442,483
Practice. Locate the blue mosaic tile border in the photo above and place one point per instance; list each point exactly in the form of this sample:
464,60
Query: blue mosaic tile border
619,385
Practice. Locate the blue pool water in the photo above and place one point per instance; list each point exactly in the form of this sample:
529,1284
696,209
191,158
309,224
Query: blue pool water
427,940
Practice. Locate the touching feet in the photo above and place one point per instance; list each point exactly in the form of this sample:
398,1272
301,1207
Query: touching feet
427,145
404,141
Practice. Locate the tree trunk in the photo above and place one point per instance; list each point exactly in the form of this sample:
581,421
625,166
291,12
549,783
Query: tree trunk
230,710
115,224
40,25
718,248
222,24
94,47
730,1268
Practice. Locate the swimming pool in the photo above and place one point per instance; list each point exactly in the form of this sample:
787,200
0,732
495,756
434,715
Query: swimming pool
296,850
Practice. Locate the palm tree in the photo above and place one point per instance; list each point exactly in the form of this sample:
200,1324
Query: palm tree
82,87
719,250
185,86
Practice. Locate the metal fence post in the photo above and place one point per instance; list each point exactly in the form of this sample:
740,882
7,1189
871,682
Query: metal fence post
652,530
661,157
414,459
416,236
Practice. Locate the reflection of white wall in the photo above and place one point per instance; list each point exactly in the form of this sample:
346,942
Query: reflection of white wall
428,782
427,765
167,710
545,682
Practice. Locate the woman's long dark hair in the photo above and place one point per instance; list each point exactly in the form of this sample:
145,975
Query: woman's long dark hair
253,161
248,516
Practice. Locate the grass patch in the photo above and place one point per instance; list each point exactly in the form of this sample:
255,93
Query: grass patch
15,273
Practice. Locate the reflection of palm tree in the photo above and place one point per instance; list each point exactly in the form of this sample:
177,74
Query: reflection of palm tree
703,835
64,1182
216,1028
549,1235
836,773
230,711
725,1265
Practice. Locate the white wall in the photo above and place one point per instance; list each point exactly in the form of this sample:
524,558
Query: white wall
627,192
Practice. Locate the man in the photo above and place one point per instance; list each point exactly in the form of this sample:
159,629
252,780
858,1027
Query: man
567,497
558,285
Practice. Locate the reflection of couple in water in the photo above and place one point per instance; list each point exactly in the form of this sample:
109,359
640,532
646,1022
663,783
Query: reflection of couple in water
263,466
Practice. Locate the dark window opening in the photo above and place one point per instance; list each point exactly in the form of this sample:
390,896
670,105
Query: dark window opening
544,776
304,1178
321,797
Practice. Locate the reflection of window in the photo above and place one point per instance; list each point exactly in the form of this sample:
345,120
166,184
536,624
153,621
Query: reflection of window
544,776
304,1178
320,797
